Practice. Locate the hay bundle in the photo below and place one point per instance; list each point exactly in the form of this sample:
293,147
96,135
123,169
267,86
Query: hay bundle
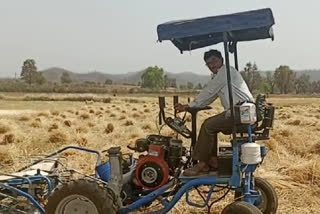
58,137
4,128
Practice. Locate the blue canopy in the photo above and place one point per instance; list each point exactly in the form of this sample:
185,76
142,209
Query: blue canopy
202,32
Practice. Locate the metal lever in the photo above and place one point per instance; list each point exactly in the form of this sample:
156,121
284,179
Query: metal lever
175,101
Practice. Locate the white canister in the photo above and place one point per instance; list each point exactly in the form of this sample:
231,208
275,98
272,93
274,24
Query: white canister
248,113
250,153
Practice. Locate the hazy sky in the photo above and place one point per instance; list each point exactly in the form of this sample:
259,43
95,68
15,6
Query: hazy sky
120,36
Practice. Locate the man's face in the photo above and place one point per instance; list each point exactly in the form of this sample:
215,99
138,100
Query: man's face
214,63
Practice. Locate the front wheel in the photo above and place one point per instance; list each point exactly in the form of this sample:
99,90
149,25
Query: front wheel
81,197
241,207
269,199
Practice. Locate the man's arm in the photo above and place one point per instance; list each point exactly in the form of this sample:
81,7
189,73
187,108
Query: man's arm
210,92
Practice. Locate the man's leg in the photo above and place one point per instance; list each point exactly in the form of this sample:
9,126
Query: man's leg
206,146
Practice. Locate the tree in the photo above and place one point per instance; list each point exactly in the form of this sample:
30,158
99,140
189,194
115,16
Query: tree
315,87
153,78
199,86
284,79
108,82
270,81
302,84
251,76
65,78
29,71
189,85
39,78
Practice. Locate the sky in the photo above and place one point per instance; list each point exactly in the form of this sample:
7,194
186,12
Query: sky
120,36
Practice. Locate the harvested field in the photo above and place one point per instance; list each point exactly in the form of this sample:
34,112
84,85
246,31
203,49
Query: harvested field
32,128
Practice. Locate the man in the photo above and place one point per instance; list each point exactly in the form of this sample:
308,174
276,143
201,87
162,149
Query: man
205,150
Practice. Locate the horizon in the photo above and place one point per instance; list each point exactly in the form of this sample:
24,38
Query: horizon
120,37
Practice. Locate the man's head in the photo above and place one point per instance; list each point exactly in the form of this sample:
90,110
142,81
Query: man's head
213,60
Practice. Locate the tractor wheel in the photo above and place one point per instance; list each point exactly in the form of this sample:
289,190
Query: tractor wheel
241,207
269,198
81,197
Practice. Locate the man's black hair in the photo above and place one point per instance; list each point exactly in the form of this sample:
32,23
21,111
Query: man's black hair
211,53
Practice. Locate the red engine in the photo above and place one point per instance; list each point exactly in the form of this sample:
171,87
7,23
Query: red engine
152,170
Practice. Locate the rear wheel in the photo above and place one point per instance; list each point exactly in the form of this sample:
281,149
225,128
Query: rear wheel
241,207
81,197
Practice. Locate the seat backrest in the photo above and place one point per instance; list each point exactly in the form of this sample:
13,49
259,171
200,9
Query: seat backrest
260,106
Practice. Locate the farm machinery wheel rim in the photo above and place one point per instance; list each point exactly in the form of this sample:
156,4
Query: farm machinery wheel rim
76,204
263,201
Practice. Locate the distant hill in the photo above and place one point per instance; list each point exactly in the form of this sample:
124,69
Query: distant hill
54,74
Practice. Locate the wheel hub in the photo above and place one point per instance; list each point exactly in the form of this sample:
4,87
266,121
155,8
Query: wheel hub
149,175
76,204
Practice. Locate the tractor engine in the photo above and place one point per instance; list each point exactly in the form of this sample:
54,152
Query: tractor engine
161,156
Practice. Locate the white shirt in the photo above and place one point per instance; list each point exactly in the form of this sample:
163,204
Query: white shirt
218,86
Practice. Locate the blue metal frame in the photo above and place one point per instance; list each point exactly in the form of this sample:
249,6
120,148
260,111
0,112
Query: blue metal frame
26,195
234,182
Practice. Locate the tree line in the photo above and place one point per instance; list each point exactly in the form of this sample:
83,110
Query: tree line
281,81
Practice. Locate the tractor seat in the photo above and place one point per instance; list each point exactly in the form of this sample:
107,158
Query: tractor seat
265,117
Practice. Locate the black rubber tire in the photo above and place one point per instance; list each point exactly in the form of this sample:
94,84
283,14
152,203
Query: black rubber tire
102,197
241,207
269,193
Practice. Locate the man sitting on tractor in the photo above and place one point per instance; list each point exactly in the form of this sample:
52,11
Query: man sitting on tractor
205,150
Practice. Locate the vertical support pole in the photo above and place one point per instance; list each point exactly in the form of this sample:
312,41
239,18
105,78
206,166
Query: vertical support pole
236,65
247,184
226,52
175,101
115,159
236,175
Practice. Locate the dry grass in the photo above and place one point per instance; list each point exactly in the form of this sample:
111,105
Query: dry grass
53,127
24,118
84,116
67,123
4,128
128,123
58,138
8,139
35,124
292,163
109,128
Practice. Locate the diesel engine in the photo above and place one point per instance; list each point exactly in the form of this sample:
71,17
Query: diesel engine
159,157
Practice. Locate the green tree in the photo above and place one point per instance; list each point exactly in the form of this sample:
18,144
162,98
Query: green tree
302,84
270,81
153,78
65,78
29,71
108,82
39,78
285,79
251,76
189,85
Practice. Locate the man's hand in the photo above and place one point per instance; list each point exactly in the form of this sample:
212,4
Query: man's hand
180,108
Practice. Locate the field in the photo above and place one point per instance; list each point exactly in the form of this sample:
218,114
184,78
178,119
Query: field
31,127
